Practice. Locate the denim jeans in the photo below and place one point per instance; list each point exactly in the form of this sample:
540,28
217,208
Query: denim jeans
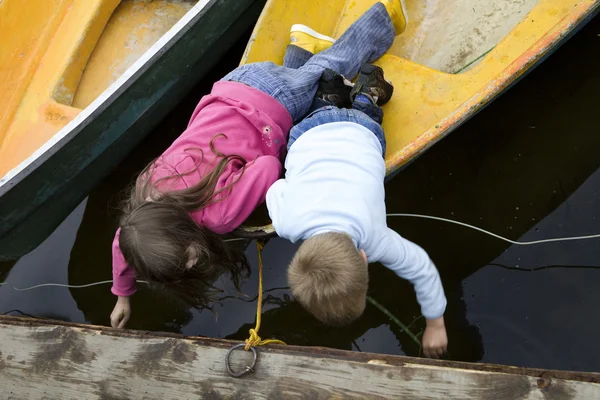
295,57
365,40
328,114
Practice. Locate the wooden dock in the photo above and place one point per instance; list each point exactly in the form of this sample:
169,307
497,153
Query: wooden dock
57,360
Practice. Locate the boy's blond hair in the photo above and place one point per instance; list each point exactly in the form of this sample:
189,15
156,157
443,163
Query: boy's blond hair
329,277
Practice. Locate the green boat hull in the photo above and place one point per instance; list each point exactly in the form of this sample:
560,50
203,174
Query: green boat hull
35,199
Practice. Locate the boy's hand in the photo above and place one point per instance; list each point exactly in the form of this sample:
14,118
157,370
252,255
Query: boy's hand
435,340
121,313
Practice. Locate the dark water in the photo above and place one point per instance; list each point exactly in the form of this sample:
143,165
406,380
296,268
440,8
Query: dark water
527,168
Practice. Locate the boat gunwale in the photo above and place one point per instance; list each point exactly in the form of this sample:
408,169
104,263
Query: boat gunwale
106,98
311,351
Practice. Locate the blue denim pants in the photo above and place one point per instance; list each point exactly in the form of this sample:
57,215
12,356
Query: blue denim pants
365,40
364,113
328,114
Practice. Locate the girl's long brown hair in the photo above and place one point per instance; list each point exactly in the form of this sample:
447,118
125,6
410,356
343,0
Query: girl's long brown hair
158,235
195,197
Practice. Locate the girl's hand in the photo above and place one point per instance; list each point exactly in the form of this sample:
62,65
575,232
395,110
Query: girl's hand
435,340
121,313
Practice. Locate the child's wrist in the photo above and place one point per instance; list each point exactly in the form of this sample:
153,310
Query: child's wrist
123,299
436,322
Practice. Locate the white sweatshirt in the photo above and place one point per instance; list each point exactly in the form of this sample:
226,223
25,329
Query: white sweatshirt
334,183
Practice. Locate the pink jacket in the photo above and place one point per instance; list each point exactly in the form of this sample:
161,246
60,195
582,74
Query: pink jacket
256,126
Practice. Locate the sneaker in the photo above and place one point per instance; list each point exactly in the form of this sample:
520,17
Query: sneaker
371,82
397,12
335,89
308,39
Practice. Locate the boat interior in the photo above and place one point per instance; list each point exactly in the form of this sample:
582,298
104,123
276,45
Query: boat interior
61,55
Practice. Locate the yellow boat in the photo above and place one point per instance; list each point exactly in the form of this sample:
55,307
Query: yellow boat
82,82
454,58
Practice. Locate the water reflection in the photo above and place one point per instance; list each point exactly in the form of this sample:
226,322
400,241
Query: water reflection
45,264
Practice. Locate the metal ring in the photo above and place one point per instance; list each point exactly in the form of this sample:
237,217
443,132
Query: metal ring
246,370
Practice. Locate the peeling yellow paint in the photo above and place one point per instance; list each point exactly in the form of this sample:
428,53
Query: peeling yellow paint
61,54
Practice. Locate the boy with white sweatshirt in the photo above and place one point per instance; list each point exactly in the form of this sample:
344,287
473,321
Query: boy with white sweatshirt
333,198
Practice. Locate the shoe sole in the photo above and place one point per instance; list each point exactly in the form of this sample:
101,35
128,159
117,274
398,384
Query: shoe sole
311,32
368,69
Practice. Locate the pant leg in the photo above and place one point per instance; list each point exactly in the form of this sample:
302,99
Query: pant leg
263,75
366,40
330,114
295,56
372,110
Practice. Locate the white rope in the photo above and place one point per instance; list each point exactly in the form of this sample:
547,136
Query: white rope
59,285
451,221
560,239
80,286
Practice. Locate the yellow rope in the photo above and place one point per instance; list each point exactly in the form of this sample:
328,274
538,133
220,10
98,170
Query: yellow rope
255,340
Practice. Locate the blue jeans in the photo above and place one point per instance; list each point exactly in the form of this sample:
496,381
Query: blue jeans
328,114
295,57
365,40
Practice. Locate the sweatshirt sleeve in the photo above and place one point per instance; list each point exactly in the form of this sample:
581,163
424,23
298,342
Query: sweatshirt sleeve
250,191
123,274
412,263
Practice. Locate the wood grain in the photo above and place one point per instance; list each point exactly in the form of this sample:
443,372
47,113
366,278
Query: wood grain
47,360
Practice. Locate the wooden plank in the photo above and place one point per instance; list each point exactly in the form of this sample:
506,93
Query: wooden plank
51,359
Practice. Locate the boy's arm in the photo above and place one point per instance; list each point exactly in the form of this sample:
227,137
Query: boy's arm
412,263
250,191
